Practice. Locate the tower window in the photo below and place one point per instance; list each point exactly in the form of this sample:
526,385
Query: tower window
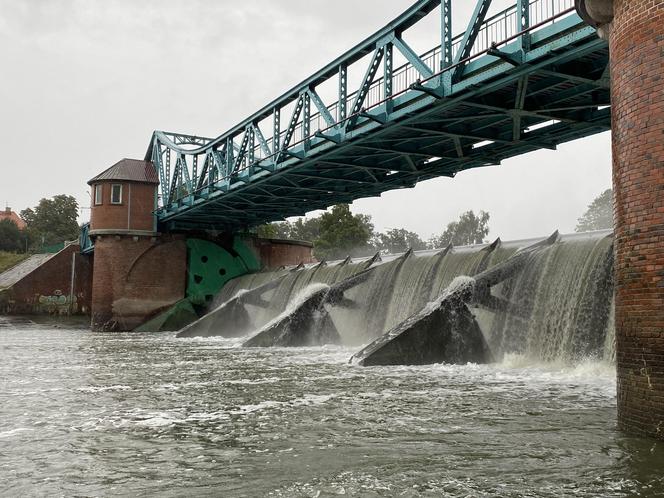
116,194
98,195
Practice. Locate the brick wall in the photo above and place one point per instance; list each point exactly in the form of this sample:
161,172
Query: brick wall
274,253
47,289
637,75
134,213
135,278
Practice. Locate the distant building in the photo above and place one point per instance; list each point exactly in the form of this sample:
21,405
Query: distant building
10,215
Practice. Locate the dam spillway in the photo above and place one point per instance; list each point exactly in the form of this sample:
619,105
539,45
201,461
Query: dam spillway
558,307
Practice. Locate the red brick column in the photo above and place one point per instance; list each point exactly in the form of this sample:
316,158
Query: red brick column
637,76
134,278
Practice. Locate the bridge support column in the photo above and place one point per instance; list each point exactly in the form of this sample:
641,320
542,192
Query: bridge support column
137,272
135,277
635,29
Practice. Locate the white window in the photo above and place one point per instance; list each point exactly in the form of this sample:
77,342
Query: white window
98,195
116,194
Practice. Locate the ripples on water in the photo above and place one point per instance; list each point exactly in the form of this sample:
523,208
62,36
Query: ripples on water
135,414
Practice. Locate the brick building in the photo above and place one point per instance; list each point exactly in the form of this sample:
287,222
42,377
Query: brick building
124,198
10,215
137,271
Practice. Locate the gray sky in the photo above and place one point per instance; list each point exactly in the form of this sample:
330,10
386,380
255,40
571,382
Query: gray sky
84,83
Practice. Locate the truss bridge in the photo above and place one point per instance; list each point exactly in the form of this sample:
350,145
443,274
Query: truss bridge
383,116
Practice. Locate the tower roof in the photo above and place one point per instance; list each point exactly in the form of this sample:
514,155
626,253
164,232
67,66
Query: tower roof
132,170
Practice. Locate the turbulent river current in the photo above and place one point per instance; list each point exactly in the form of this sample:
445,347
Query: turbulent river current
84,414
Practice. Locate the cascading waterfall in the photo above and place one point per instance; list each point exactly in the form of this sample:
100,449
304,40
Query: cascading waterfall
559,305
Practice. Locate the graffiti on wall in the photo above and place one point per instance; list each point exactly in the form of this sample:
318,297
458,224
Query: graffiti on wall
57,303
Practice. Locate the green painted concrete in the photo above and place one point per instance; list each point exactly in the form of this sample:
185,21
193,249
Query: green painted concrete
210,266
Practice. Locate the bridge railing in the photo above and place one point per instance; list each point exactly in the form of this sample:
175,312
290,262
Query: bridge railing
190,166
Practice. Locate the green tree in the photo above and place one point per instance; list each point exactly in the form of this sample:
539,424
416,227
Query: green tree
307,229
267,231
599,215
11,238
342,234
280,230
53,220
398,240
469,229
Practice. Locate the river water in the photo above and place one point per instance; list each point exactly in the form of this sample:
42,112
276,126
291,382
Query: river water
84,414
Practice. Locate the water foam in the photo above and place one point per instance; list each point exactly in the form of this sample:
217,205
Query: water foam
294,304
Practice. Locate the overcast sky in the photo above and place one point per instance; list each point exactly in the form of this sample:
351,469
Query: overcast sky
84,83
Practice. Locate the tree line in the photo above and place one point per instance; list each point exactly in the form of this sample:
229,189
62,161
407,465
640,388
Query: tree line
338,233
51,221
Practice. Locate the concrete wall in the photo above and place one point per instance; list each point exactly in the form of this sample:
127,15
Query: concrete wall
636,38
134,213
135,278
47,289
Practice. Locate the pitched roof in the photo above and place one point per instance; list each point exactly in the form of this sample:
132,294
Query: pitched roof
10,215
132,170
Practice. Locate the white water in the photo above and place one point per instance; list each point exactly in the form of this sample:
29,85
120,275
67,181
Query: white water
294,304
560,303
86,414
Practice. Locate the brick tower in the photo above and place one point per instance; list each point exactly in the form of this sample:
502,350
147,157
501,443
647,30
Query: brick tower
635,30
137,272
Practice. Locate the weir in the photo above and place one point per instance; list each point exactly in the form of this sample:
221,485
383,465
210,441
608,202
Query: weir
555,305
533,76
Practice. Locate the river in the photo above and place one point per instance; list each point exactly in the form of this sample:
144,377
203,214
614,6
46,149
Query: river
85,414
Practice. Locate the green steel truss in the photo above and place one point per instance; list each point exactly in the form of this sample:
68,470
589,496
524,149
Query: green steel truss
530,77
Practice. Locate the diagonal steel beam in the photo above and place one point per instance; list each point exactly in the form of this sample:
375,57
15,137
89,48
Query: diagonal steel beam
204,173
412,57
322,109
599,83
459,134
330,179
261,141
458,147
299,105
469,37
372,167
519,102
364,88
243,150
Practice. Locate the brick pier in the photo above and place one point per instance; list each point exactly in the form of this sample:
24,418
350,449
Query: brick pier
637,75
635,30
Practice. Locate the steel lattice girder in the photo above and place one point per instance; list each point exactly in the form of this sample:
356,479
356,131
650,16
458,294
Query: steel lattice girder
541,87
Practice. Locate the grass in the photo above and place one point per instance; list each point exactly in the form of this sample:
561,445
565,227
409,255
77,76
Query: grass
9,259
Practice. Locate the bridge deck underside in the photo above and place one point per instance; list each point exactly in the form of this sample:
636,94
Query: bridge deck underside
501,111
